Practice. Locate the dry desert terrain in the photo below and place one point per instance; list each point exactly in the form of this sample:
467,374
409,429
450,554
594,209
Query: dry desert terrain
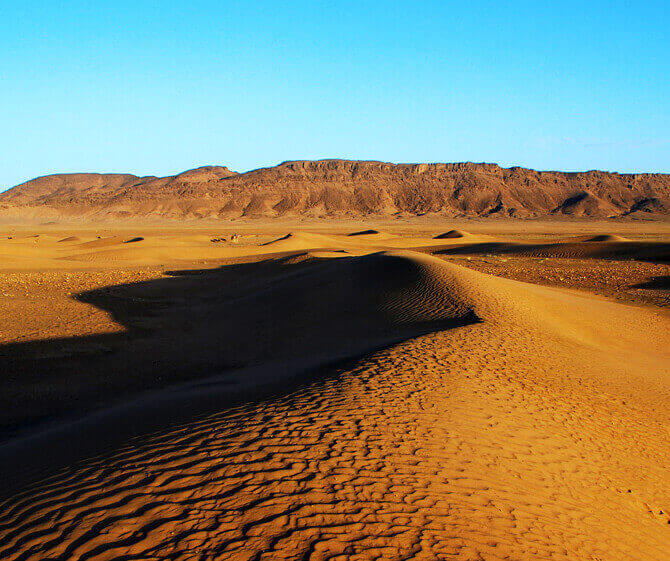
329,390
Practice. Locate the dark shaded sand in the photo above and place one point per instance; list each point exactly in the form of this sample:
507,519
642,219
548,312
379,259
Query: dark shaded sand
364,233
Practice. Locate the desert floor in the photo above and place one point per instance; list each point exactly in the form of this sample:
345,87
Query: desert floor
387,390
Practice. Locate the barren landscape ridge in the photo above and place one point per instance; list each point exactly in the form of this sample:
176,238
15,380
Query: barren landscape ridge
340,188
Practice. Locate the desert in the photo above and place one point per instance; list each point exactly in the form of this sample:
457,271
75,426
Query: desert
334,281
387,387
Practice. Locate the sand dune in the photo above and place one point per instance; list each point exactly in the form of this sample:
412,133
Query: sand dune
568,249
102,242
320,309
451,234
298,241
598,238
477,417
370,234
106,248
606,238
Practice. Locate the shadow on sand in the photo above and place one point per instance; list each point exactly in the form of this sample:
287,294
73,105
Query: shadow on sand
44,378
656,283
194,342
655,252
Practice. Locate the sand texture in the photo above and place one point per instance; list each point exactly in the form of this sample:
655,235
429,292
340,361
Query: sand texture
356,393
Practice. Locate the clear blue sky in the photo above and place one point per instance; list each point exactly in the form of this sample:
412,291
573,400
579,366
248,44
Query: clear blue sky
160,87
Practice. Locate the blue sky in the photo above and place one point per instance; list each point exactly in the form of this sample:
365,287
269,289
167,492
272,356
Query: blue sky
161,87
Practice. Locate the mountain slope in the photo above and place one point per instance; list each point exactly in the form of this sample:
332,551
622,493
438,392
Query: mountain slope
347,189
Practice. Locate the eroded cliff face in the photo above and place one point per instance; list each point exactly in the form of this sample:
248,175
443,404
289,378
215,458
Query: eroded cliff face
343,188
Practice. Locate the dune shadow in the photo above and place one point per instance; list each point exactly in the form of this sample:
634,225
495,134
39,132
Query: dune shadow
655,283
194,341
655,252
44,378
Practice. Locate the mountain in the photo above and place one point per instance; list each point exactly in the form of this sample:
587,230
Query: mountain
347,189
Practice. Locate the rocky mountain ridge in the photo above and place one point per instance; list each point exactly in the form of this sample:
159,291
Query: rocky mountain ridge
347,189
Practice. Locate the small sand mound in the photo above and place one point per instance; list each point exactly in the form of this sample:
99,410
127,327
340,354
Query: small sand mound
133,240
607,238
364,233
451,234
598,238
100,242
69,239
300,241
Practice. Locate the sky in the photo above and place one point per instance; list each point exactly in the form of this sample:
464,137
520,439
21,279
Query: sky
156,88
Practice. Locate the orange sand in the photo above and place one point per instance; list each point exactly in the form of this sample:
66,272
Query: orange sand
349,397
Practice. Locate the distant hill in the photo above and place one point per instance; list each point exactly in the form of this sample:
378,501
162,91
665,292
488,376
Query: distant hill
347,189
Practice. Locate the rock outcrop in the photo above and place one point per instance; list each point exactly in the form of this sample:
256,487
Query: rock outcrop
342,188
